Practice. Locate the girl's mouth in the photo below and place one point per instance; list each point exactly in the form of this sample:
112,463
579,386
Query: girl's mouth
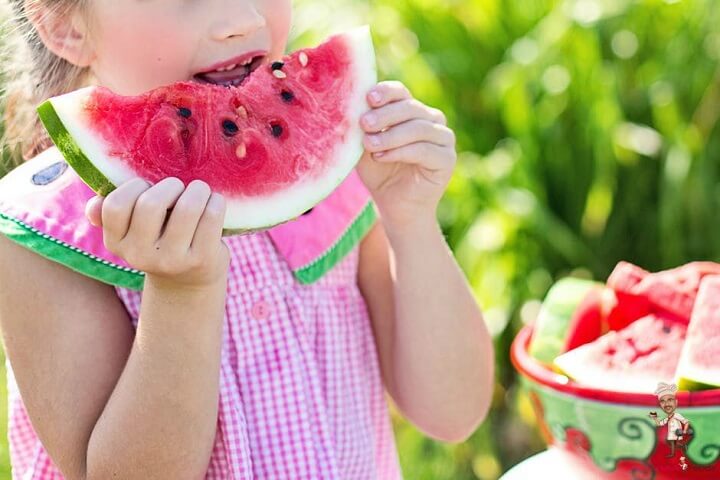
231,75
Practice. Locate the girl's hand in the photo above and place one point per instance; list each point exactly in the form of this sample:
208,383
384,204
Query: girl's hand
180,249
409,154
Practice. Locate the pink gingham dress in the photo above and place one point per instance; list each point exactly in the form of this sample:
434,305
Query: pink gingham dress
300,390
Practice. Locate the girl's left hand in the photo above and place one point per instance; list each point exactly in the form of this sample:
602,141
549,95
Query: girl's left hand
409,154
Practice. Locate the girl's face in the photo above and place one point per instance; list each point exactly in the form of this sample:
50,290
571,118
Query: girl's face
138,45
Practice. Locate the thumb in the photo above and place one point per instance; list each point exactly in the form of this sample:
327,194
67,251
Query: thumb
93,210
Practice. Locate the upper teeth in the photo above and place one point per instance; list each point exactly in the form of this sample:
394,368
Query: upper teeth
234,65
228,68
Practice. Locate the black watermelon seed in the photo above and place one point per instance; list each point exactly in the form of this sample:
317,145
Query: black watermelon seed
184,112
229,127
277,130
308,212
277,65
49,174
666,329
287,96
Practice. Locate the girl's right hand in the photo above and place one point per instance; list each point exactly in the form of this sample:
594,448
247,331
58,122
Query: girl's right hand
185,252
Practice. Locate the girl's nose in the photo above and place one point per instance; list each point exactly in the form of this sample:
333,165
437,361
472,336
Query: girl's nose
239,19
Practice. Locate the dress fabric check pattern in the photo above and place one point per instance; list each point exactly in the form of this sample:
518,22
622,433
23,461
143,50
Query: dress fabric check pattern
301,395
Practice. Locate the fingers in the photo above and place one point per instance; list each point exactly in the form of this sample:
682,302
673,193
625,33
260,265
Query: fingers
407,133
185,216
210,226
428,155
117,209
387,92
399,112
151,210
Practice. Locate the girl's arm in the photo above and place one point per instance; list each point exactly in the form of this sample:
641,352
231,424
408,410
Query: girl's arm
435,352
107,403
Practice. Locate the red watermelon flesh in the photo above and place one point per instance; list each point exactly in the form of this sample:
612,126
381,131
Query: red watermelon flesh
589,320
629,305
166,143
688,277
633,359
670,292
674,291
664,295
274,146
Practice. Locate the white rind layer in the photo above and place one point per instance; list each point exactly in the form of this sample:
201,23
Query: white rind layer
70,109
252,212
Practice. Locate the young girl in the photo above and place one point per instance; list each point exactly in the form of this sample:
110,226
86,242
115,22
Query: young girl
154,350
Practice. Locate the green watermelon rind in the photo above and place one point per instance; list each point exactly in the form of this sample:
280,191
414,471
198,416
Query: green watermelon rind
72,151
556,313
72,257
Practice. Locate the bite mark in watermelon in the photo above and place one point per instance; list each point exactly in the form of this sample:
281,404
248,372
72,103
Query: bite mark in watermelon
274,147
699,366
633,359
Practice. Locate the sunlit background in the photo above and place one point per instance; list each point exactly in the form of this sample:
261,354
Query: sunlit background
587,133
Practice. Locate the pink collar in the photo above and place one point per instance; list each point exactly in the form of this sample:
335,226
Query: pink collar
42,205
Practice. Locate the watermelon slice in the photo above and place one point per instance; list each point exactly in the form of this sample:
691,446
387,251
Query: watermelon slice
274,146
699,366
556,312
633,359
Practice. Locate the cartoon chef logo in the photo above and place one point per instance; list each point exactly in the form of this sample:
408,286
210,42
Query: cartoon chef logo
677,432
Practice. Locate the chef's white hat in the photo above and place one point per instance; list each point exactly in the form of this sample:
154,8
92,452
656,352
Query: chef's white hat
665,389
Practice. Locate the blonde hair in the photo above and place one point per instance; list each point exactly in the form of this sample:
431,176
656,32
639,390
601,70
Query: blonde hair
32,73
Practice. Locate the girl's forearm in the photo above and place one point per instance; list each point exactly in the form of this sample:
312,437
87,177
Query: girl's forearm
161,418
443,358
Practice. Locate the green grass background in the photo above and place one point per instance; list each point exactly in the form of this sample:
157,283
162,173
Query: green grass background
587,134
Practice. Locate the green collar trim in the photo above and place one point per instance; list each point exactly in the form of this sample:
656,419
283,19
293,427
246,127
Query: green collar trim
347,241
117,275
72,257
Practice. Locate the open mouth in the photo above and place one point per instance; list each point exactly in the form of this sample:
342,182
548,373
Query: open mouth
231,75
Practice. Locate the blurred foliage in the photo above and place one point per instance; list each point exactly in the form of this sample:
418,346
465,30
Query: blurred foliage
587,133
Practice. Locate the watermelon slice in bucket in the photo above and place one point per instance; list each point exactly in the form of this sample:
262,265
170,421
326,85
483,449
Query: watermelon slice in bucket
274,146
699,368
633,359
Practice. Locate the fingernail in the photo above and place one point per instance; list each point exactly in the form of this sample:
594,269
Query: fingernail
375,96
374,140
370,120
379,154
